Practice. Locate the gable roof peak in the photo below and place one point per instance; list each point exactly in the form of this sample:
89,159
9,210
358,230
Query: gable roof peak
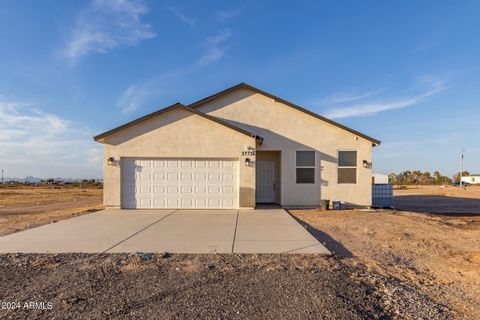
100,137
195,104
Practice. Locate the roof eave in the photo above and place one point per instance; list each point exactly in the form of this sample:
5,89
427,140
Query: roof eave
101,137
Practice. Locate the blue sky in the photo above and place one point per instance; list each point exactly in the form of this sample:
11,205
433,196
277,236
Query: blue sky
405,72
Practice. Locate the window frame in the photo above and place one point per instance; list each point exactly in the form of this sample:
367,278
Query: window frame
306,167
347,167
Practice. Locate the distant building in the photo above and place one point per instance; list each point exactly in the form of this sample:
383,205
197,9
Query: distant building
472,179
379,178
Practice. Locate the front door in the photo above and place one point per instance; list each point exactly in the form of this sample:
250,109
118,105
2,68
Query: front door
265,189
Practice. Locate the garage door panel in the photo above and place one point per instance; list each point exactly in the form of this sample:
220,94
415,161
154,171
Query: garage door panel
201,189
186,164
159,176
187,203
145,163
200,164
214,203
200,176
159,189
172,176
227,190
144,176
172,189
214,164
145,189
145,203
200,203
173,203
172,164
186,189
227,203
228,164
227,177
214,190
186,176
215,177
159,203
179,183
159,164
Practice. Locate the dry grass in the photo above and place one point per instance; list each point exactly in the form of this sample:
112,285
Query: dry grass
27,207
34,196
472,192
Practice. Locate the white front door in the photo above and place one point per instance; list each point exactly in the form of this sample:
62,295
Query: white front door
179,183
265,189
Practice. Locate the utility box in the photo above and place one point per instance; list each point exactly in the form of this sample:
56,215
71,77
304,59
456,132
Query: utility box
382,195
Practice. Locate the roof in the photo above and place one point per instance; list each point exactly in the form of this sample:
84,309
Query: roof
177,105
473,175
313,114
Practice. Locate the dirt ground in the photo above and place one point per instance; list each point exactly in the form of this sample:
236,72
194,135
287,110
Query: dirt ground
27,207
147,286
439,199
437,254
420,263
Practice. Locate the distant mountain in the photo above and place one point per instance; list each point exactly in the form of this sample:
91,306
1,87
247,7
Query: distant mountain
32,179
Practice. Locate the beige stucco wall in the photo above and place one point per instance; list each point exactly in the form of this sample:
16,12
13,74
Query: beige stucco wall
177,134
288,130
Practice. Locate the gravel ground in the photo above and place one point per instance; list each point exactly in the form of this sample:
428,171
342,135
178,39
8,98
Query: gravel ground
125,286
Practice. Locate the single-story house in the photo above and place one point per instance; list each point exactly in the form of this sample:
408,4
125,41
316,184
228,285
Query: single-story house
235,149
472,179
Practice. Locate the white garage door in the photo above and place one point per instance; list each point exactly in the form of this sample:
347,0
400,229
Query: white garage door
179,183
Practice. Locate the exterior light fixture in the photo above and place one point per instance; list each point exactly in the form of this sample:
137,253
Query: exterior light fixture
367,164
111,161
247,162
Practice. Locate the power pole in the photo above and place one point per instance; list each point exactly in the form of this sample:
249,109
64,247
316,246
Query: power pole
2,175
461,167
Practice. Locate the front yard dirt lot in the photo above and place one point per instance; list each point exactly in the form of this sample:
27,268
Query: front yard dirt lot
27,207
145,286
421,262
436,254
439,199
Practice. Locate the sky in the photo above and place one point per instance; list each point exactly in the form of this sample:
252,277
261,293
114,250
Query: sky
404,72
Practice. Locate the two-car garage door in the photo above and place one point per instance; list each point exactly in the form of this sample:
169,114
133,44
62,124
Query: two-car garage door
179,183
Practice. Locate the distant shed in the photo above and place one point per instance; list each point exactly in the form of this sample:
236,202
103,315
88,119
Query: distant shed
379,178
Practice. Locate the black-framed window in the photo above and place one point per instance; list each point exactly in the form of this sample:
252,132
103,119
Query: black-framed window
305,166
347,166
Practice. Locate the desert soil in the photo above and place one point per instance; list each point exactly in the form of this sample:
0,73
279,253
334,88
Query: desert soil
27,207
439,199
146,286
388,264
437,254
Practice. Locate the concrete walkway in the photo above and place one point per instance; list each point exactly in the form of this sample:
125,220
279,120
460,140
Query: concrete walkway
176,231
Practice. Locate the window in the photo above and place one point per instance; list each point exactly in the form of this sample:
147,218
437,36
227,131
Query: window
305,166
347,167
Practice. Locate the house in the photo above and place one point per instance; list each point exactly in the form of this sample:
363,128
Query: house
472,179
235,149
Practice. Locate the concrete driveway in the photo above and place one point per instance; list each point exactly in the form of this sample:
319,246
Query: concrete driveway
176,231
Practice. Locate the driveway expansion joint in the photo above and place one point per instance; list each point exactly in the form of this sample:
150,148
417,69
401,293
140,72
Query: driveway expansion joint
139,231
235,231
